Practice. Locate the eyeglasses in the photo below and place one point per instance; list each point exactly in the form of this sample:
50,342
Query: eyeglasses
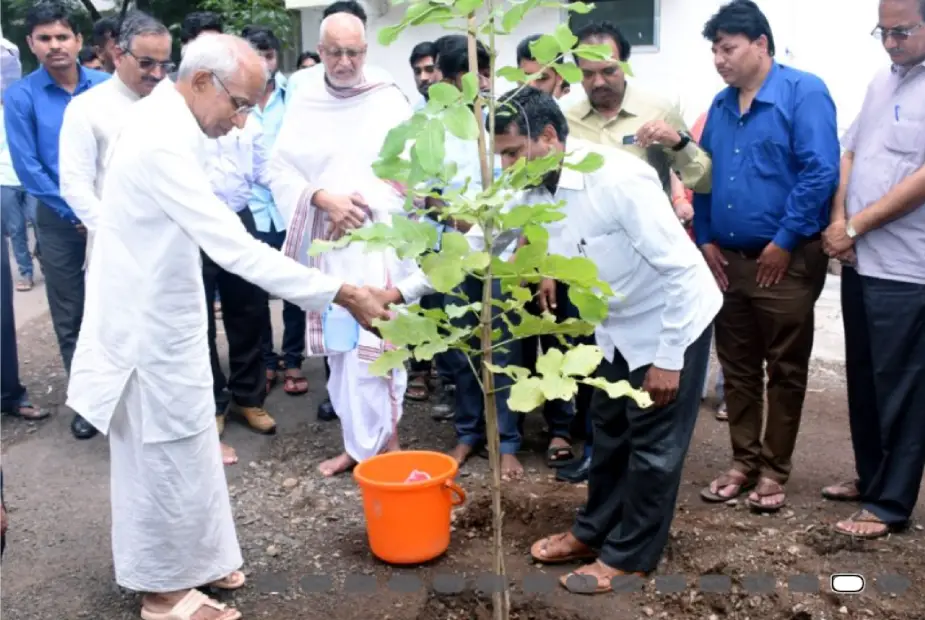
898,34
241,107
339,53
148,64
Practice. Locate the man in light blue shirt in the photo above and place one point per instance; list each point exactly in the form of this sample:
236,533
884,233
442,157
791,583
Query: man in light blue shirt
33,113
271,227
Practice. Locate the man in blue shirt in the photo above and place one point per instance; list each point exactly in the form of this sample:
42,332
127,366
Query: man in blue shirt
33,113
774,144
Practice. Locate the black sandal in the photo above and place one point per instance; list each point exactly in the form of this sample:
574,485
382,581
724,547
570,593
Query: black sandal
559,456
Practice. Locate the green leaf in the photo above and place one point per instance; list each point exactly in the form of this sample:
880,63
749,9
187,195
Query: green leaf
590,306
513,16
395,140
557,387
465,7
454,312
626,68
394,169
526,395
537,235
444,271
455,244
550,363
460,121
569,72
582,8
444,94
430,147
582,360
414,237
389,361
621,389
512,74
517,373
390,34
564,37
545,49
596,53
521,294
470,84
409,329
590,163
477,261
428,350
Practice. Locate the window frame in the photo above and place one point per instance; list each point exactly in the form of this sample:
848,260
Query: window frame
656,26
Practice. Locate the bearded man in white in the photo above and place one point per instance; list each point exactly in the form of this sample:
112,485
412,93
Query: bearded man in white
141,372
322,180
93,119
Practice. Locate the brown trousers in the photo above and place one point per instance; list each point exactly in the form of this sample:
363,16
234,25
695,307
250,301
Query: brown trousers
773,326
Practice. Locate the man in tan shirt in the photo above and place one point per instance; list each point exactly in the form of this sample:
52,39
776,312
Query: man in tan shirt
625,116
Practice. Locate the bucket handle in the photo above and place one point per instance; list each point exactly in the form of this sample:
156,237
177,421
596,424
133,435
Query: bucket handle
457,495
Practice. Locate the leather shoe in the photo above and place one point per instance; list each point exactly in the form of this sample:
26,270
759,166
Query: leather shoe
326,411
81,429
575,472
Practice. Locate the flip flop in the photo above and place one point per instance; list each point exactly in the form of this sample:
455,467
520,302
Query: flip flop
726,480
865,516
559,456
577,556
295,386
830,493
187,607
767,487
233,581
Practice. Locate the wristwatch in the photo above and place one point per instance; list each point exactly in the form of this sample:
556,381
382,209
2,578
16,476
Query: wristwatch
850,231
685,140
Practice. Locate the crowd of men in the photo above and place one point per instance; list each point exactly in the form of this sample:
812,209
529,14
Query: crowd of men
164,192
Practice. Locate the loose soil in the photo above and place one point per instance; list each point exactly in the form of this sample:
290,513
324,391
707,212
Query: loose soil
295,526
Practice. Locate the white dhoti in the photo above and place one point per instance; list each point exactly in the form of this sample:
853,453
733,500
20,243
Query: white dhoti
172,527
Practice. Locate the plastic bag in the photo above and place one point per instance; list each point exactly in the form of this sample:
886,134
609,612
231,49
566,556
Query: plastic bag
417,476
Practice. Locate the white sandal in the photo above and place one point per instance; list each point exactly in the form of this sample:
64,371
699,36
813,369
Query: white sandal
189,605
233,581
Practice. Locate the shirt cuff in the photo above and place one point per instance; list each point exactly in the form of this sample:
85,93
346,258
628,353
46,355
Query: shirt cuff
701,237
785,239
669,357
415,286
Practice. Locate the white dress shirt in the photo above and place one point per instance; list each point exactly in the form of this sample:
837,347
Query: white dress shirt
145,317
91,122
619,218
235,162
8,176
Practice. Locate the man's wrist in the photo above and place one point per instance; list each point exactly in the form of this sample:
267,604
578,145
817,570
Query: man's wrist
346,295
320,199
683,140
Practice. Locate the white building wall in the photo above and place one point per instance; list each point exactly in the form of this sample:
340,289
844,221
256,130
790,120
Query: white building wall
830,38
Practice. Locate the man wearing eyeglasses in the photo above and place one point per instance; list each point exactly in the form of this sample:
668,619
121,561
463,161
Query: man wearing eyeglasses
878,231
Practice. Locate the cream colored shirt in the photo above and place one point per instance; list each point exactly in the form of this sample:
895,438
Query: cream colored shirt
91,121
639,107
146,311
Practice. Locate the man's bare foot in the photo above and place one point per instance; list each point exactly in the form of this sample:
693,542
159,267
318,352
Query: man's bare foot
156,605
561,548
229,456
337,465
461,453
594,578
511,469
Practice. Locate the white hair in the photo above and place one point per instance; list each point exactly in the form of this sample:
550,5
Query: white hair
342,18
219,54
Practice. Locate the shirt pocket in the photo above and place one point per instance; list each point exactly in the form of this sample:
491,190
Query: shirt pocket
770,158
906,136
608,253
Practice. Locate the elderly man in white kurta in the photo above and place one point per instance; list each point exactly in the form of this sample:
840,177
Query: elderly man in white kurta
141,372
322,179
91,121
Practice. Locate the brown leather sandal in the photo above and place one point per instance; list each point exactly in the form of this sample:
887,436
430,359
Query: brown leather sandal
731,478
766,488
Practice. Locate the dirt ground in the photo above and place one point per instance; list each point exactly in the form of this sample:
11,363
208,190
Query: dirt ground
296,528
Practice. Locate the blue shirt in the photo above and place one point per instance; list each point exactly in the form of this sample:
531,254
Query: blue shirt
271,118
33,113
775,168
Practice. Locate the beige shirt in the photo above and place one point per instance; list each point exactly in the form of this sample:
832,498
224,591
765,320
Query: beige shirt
639,107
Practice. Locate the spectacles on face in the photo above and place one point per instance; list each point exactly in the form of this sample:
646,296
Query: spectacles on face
241,107
898,34
147,64
350,53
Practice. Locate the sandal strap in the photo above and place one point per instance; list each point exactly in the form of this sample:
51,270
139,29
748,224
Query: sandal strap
866,516
767,487
193,602
729,478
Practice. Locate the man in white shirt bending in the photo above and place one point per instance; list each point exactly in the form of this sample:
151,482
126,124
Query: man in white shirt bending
141,372
95,117
656,336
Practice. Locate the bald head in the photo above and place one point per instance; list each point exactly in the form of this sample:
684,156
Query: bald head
342,47
222,78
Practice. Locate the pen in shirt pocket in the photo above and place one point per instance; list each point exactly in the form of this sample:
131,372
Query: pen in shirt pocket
896,113
581,246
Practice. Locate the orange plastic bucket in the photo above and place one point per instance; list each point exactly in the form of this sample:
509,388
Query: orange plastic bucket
408,523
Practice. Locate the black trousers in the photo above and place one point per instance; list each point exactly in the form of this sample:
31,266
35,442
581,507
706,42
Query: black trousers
64,251
636,464
885,364
244,313
13,390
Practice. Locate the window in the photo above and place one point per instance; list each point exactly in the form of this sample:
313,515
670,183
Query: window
636,19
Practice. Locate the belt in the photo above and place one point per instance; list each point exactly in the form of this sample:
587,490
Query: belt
754,253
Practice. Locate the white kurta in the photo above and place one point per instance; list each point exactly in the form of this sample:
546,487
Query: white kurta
331,143
141,367
91,121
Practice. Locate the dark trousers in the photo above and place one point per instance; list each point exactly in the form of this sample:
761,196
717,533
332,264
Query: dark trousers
470,406
636,464
244,313
13,390
293,349
776,326
885,363
64,250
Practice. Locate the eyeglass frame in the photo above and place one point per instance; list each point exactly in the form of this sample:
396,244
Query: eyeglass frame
168,66
899,34
242,108
349,53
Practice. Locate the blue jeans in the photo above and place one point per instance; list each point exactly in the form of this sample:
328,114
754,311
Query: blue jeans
470,406
293,349
18,210
14,392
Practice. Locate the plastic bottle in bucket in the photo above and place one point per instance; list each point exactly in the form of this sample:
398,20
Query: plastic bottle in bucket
341,331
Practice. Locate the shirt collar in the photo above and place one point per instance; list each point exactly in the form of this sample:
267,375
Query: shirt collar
569,178
123,88
45,79
902,72
629,107
770,91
